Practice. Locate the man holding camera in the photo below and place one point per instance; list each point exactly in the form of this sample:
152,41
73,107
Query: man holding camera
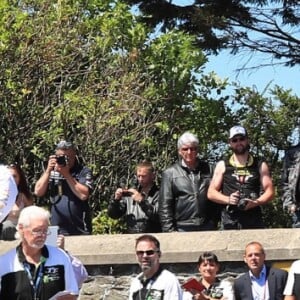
139,204
241,183
69,185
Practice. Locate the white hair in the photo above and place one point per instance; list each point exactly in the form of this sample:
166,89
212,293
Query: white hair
30,213
187,138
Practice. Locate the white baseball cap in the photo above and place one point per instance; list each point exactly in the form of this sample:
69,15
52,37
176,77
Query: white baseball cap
237,130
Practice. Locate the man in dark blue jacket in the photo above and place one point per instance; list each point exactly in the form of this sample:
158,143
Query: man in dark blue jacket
69,184
261,281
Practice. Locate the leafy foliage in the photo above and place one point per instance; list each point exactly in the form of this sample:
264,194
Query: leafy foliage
91,72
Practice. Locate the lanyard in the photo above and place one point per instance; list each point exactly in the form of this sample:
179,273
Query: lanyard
34,282
148,290
148,283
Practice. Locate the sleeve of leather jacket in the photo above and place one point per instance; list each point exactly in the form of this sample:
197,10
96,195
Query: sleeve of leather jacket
116,209
166,208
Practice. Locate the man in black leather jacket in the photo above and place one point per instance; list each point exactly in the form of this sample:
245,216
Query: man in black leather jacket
138,204
183,204
291,183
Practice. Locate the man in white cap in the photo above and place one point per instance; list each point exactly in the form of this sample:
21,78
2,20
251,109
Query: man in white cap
241,184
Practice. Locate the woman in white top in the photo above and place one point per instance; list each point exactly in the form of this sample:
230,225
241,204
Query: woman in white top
24,198
209,266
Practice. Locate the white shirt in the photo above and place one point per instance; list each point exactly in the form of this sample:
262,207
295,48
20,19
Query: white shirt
294,269
259,285
165,287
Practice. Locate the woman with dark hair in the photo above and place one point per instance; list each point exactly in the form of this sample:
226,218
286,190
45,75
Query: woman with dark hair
24,198
212,287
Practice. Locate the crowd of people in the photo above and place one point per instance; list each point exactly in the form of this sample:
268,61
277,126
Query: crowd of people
260,282
192,196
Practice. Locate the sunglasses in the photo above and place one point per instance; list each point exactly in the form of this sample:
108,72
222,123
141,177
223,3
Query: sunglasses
185,149
240,139
64,145
147,252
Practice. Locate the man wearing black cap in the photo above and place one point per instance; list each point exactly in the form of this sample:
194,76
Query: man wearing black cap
69,184
241,184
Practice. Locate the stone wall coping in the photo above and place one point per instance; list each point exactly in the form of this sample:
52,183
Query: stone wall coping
281,244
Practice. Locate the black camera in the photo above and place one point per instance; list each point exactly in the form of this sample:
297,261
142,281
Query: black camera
127,184
215,292
126,193
244,199
61,160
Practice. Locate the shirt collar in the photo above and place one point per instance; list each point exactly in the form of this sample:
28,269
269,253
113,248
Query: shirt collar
262,274
21,256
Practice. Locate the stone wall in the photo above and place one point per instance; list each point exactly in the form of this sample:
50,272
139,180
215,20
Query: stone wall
111,262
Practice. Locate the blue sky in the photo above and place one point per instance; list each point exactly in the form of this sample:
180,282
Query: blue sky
225,64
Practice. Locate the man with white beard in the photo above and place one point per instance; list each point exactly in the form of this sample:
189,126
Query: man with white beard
154,282
34,270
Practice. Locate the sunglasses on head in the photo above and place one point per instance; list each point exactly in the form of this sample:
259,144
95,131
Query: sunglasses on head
147,252
239,139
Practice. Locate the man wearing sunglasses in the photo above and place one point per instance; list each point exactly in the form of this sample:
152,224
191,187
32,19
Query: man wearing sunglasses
69,185
241,184
183,203
153,282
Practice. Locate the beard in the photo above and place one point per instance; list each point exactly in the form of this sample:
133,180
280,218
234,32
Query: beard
240,150
35,244
146,266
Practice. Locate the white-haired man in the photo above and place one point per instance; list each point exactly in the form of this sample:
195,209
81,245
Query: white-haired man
183,203
33,270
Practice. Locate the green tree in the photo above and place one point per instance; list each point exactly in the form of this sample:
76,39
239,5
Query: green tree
269,27
90,71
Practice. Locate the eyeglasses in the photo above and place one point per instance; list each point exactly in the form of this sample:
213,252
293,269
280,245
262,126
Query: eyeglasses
240,139
37,232
192,149
147,252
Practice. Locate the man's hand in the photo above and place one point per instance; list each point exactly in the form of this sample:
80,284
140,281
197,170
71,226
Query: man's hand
118,194
234,198
51,163
136,195
63,170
